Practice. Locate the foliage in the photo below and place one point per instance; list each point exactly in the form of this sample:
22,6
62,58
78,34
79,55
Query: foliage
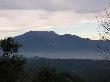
11,63
9,46
46,74
50,74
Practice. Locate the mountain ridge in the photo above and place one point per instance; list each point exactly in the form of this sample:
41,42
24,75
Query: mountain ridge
43,43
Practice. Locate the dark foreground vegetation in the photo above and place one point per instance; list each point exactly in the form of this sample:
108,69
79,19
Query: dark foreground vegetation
14,68
87,69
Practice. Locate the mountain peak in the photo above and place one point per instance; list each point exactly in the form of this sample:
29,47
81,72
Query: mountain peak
42,32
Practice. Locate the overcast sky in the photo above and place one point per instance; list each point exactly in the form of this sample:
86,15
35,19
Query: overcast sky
62,16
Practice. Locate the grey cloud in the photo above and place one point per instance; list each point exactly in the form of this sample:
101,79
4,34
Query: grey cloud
79,6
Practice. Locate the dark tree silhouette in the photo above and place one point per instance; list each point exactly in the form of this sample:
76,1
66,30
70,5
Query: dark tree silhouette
104,32
47,73
11,63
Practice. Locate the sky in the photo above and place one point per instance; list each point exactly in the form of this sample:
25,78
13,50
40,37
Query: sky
62,16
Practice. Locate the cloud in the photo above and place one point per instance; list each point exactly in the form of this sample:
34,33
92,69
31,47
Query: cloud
79,6
28,19
18,16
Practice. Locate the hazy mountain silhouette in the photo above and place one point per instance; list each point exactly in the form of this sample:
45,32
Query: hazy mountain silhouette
51,45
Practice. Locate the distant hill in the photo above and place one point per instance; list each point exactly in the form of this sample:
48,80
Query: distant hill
85,68
51,45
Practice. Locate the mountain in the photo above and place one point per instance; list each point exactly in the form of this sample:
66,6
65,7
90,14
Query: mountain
85,68
51,45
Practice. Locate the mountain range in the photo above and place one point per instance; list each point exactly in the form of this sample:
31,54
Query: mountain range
51,45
